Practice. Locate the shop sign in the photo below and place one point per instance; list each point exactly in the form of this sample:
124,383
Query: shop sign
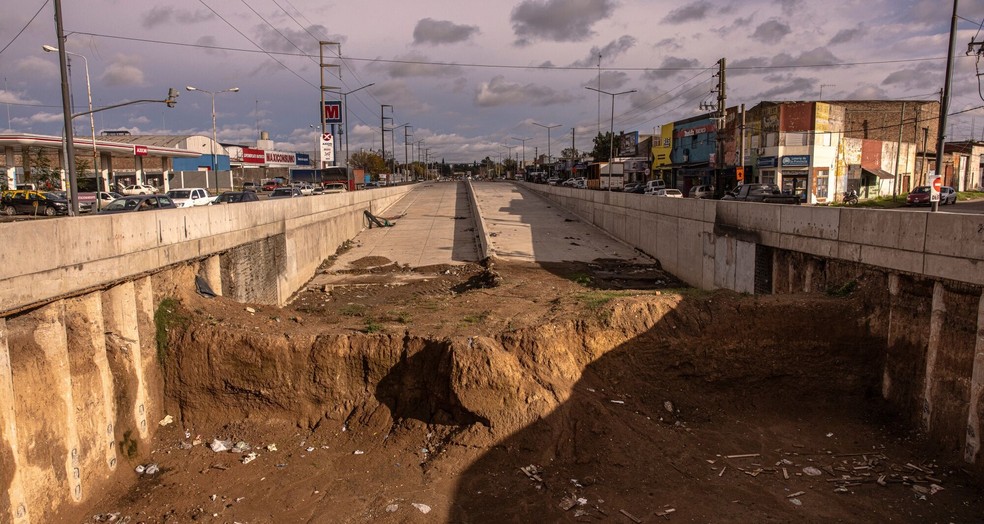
796,161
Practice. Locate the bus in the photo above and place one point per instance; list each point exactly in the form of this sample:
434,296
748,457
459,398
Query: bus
599,176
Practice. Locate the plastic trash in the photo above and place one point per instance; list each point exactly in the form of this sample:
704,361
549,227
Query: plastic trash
219,446
424,508
151,469
812,471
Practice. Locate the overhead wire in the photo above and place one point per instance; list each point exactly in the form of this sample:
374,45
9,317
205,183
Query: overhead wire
14,39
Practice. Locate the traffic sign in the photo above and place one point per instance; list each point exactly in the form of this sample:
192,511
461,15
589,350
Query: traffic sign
936,183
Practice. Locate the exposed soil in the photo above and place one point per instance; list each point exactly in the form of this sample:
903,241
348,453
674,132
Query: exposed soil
514,393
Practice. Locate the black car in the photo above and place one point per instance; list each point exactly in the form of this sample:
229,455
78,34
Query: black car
286,192
234,197
48,203
133,203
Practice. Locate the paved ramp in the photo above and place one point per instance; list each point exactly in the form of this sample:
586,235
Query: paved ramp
522,226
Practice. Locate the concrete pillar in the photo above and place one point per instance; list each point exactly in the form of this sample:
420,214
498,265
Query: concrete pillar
972,447
894,286
139,169
105,163
92,383
166,172
11,171
126,362
151,379
932,351
13,503
213,273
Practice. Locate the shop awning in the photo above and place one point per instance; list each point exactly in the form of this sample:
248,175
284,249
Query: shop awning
880,173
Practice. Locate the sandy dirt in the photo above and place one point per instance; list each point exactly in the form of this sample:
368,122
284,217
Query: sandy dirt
517,393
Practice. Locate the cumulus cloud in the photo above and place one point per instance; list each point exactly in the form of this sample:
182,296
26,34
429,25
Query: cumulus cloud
498,91
437,32
610,80
165,15
124,72
924,75
38,118
39,67
558,20
609,52
671,66
10,97
689,13
848,35
794,86
771,32
413,64
816,56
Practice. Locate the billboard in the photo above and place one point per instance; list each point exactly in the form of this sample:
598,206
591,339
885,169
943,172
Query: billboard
627,144
332,112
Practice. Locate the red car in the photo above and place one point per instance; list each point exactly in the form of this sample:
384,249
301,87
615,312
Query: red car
270,186
918,196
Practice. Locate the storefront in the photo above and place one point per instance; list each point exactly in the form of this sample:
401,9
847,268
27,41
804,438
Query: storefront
795,175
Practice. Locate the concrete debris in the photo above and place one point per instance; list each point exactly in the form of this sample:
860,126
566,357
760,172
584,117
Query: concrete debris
794,495
533,472
746,455
392,508
240,447
358,452
812,471
617,401
272,447
664,512
250,458
668,406
423,508
140,469
631,517
168,419
796,502
152,469
250,310
567,503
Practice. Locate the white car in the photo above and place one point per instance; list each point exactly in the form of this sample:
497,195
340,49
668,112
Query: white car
306,189
335,188
190,197
139,189
653,186
672,193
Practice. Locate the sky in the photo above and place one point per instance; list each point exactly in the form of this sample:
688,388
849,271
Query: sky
473,79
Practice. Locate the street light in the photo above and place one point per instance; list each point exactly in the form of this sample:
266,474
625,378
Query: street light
611,131
509,156
548,128
345,123
92,118
523,140
213,93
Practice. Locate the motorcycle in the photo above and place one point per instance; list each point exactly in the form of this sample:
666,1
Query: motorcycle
851,197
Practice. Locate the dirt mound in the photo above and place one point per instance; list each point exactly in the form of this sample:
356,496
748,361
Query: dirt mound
547,399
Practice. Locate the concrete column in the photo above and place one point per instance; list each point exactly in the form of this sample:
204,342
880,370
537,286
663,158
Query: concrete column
894,286
139,169
151,379
126,362
973,445
92,383
13,503
932,351
105,164
166,172
213,273
11,171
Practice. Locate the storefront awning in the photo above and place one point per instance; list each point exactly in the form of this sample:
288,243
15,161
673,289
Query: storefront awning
880,173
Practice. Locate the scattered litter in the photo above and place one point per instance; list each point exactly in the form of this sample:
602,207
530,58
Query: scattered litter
567,503
617,401
665,512
582,501
166,420
631,516
392,508
310,449
272,447
250,310
250,458
796,502
213,497
219,446
746,455
424,508
722,471
140,469
829,435
668,406
240,447
152,469
794,495
812,471
358,452
533,472
184,445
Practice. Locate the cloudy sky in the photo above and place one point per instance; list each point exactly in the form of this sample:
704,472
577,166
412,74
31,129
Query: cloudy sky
471,78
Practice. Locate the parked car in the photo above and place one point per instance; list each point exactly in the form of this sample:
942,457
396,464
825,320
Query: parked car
286,192
133,203
48,203
638,189
306,189
190,197
672,193
553,181
628,187
702,191
270,185
333,187
98,200
139,189
250,186
655,185
235,197
947,195
766,193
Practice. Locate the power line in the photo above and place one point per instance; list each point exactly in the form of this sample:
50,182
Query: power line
12,40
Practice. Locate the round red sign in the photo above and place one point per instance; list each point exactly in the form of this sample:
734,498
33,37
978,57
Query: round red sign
937,183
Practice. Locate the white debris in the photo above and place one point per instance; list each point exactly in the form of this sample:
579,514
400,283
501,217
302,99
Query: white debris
250,458
358,452
392,508
166,420
812,471
424,508
219,446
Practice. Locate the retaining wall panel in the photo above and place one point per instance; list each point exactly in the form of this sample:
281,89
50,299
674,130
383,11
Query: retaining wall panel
809,221
884,228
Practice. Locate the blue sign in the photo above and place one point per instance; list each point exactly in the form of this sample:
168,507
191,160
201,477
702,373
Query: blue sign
767,161
302,159
796,161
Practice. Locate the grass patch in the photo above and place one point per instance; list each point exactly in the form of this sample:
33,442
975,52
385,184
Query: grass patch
403,317
352,310
844,289
166,317
475,319
595,300
583,279
372,326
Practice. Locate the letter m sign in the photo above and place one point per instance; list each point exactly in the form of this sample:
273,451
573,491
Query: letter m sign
333,112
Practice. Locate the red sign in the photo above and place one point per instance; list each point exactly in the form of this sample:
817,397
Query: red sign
937,183
139,150
253,156
333,112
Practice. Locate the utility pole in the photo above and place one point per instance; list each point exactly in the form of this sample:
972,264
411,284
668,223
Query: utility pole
945,103
321,62
382,127
720,113
73,188
898,152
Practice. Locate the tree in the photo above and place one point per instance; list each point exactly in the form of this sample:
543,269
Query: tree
41,173
602,147
370,161
570,154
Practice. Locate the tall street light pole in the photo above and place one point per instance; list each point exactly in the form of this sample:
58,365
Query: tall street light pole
73,189
548,128
611,130
215,170
523,140
92,121
345,124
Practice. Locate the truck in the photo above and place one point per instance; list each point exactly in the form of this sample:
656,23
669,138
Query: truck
606,176
765,193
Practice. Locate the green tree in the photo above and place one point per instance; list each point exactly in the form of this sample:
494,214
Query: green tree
370,161
41,173
570,154
602,145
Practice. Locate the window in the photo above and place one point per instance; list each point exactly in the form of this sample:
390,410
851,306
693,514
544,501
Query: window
768,177
822,183
771,140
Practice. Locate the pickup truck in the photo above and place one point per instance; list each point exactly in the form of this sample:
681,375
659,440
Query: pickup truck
766,193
